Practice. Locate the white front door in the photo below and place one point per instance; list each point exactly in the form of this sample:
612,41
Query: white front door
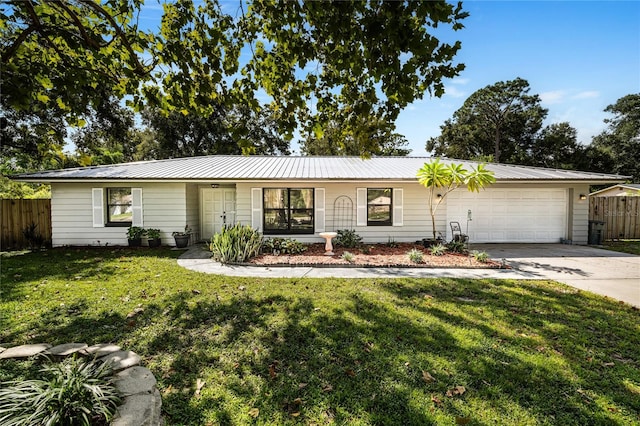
217,208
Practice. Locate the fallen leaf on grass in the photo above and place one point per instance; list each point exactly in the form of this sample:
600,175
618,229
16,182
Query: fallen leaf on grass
194,291
135,312
436,400
254,412
296,414
458,390
427,377
272,371
349,372
327,388
609,364
199,385
612,409
302,385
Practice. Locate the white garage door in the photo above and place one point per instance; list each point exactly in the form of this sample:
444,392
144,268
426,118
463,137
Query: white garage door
532,215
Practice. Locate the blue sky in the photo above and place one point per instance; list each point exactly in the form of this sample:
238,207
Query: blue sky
579,56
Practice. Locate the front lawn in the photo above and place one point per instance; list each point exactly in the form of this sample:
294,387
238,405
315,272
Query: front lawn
363,352
624,246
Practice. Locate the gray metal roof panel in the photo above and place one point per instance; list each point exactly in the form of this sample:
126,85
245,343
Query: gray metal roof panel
230,167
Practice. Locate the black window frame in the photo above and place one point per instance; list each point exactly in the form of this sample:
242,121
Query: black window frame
288,210
377,222
108,203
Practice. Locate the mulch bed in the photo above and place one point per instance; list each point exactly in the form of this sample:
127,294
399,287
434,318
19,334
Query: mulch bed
372,255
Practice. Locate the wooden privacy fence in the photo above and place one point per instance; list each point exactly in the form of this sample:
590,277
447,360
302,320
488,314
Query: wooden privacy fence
17,215
621,216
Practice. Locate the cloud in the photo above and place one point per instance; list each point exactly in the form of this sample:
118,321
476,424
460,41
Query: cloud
454,92
588,94
553,97
460,81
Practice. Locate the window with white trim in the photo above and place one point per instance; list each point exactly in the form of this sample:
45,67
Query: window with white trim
379,206
119,206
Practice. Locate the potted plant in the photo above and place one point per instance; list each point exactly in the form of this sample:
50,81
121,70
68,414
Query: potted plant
182,237
134,235
153,235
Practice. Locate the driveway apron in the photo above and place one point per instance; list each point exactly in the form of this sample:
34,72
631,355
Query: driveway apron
600,271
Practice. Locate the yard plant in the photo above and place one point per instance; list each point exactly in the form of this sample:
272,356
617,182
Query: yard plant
342,351
236,243
75,391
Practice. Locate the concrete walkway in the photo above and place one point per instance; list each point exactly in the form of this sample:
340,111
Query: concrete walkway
604,272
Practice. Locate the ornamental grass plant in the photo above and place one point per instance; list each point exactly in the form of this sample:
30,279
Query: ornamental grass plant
74,391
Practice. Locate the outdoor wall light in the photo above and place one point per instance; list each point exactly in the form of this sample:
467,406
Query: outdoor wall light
215,185
583,197
439,195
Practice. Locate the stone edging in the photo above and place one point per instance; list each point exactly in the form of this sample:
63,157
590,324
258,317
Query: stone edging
141,401
357,265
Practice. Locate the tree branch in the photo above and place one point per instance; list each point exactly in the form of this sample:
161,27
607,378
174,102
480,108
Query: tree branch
78,24
8,54
139,68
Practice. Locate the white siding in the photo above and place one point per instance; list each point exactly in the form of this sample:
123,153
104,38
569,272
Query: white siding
580,215
192,214
415,211
72,213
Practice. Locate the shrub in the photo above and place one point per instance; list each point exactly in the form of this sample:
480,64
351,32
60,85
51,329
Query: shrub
416,256
153,233
283,246
236,244
347,238
33,237
438,249
74,392
480,256
348,257
391,242
456,247
135,232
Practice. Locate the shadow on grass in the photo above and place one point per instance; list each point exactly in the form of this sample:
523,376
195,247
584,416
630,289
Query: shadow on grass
304,351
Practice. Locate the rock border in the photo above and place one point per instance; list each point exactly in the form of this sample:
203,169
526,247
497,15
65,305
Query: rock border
141,402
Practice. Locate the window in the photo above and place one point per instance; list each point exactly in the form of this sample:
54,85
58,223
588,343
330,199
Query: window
288,210
119,206
379,206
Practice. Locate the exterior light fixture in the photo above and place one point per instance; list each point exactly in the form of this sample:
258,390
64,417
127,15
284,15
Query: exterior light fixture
215,185
583,197
439,195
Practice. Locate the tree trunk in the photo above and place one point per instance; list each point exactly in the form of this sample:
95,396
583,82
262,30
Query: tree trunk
497,146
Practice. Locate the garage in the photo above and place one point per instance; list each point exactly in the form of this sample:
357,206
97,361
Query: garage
515,215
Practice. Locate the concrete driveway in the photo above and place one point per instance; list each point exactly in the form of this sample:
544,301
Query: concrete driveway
604,272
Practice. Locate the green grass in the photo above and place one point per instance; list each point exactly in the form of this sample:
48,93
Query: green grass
304,351
624,246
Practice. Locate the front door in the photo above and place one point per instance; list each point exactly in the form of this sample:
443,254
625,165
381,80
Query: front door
218,208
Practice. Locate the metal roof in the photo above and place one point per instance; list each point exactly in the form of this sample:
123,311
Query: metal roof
236,167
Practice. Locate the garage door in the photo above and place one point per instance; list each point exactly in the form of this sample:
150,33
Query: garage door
532,215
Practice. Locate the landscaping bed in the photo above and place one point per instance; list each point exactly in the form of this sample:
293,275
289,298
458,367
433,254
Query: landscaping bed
372,255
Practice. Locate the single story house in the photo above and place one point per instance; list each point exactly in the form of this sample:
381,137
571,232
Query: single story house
296,196
619,190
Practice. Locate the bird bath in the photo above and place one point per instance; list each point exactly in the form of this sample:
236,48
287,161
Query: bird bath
328,247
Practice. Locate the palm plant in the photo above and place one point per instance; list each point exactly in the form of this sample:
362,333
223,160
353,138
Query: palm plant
444,178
